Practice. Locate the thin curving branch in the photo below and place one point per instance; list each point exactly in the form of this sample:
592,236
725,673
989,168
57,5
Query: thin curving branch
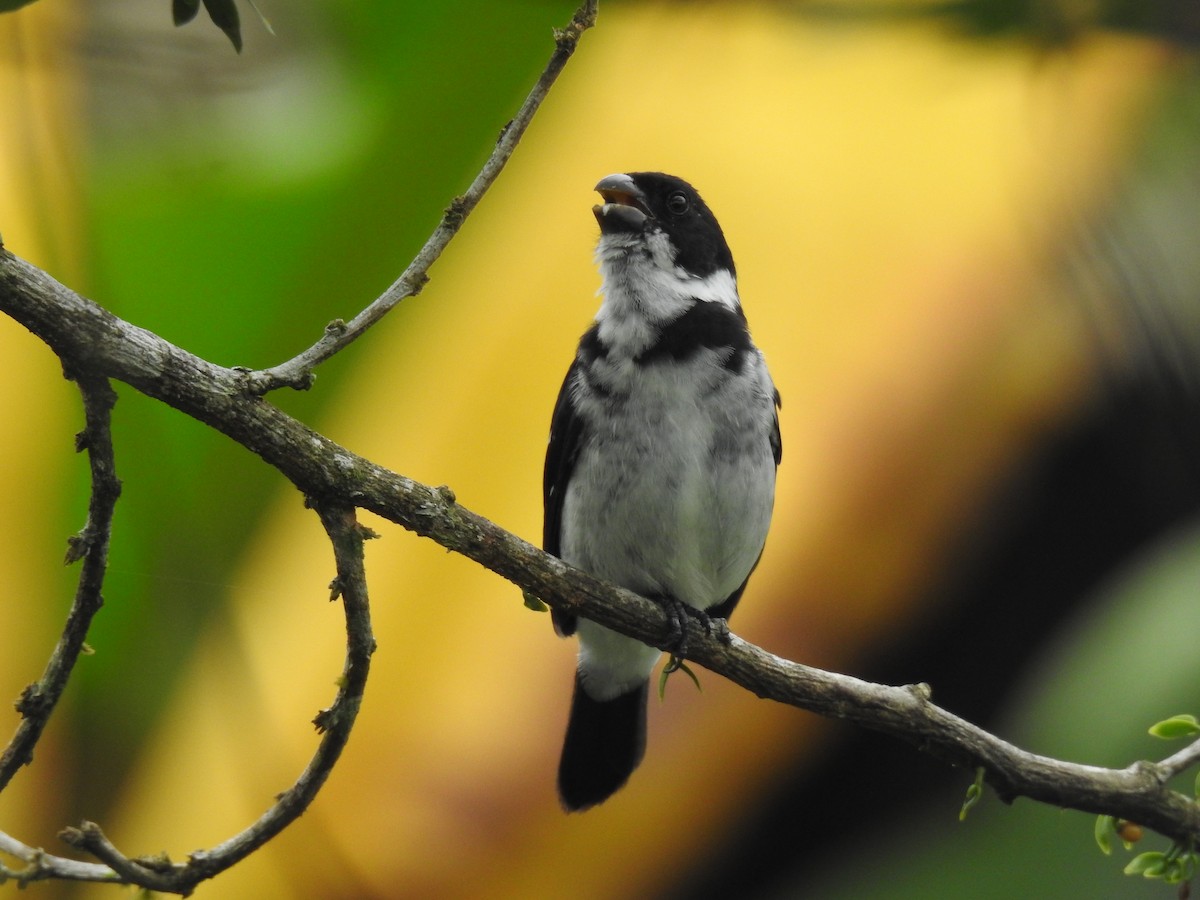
335,724
1180,762
43,866
298,371
77,328
37,700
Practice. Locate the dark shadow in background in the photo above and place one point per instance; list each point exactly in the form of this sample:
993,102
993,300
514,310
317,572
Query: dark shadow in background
1120,479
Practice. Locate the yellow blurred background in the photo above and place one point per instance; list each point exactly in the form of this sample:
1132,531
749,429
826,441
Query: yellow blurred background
899,197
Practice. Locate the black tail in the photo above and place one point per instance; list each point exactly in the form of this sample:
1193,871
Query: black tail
605,742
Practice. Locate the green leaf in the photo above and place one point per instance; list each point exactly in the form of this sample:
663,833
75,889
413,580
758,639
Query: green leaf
974,792
675,664
1173,873
1196,789
10,5
534,603
1148,865
1176,727
1188,866
1106,827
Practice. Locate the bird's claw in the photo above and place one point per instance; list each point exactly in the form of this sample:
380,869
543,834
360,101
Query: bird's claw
716,626
676,642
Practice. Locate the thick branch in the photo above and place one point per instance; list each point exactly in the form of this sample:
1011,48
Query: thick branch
297,372
38,700
76,328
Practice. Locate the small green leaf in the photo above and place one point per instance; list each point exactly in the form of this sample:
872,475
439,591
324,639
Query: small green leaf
1196,789
1173,873
1148,865
534,603
973,795
692,675
1188,861
1176,727
1106,827
675,664
974,792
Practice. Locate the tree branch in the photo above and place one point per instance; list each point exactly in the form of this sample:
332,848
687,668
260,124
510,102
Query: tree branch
43,866
335,724
298,371
78,329
38,700
1181,761
95,346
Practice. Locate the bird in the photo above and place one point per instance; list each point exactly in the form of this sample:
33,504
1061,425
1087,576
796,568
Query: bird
660,466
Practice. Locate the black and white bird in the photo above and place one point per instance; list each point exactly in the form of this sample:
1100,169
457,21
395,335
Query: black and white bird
660,472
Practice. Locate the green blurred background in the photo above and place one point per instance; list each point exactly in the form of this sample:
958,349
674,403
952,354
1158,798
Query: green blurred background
965,238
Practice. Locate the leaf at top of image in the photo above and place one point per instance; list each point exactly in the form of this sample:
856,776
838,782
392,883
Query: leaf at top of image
183,11
223,13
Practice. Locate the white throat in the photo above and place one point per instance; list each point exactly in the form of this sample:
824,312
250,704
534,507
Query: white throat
642,289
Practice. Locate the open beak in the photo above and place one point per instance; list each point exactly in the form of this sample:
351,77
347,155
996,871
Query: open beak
624,207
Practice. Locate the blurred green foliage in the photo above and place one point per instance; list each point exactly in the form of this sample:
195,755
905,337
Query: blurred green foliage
244,266
1134,650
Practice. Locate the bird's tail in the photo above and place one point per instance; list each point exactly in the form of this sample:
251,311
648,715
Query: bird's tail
605,741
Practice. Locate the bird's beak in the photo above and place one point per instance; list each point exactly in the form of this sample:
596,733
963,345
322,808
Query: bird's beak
621,190
624,207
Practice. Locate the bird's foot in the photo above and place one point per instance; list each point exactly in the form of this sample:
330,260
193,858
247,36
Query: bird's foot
676,642
676,612
715,626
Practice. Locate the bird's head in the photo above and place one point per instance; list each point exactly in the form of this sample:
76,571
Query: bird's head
665,216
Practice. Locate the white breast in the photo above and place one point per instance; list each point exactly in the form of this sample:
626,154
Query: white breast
672,491
672,497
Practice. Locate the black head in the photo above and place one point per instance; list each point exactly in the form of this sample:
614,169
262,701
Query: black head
648,202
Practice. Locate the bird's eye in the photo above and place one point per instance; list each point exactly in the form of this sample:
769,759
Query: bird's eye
678,203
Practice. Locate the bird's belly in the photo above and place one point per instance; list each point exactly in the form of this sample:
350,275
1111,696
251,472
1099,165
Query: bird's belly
662,506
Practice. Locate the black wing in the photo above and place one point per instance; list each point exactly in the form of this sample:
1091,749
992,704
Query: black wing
566,439
776,440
